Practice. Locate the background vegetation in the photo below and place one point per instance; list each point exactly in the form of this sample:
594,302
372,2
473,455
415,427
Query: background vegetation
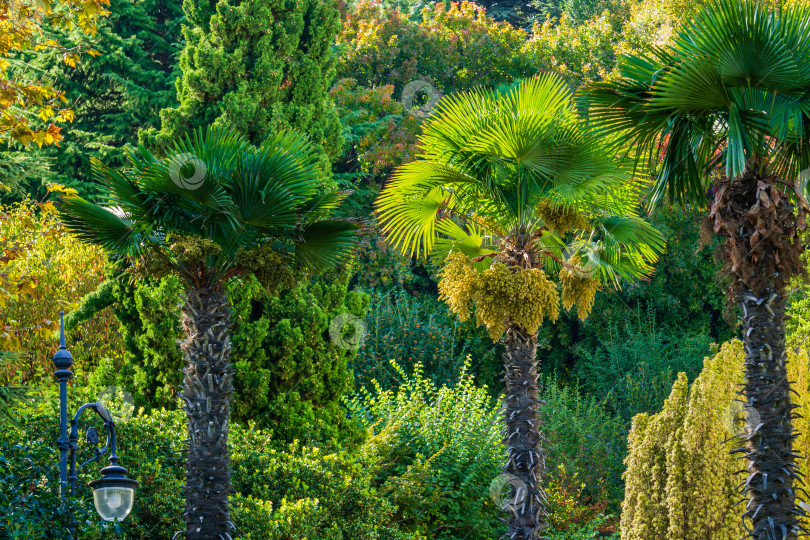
394,438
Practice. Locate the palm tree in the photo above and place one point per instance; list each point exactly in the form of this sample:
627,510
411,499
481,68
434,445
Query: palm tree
724,111
218,209
511,186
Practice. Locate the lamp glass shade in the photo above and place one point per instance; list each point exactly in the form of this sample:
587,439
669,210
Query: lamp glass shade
113,503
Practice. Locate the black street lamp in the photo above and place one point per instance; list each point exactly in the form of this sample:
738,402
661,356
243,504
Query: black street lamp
113,493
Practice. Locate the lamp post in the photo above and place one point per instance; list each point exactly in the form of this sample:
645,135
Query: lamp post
113,493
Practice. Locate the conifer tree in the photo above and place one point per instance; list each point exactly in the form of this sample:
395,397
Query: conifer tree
681,481
117,94
259,66
290,374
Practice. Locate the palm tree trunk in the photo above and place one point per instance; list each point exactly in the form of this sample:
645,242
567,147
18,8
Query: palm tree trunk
762,252
771,496
526,461
207,391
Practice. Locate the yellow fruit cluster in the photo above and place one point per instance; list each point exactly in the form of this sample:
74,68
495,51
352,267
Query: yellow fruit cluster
459,284
193,248
578,288
501,295
270,268
559,219
187,250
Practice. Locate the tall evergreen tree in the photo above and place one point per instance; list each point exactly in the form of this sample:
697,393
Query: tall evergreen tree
118,93
259,66
290,374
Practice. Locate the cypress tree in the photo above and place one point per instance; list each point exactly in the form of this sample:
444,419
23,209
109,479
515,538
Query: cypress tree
258,66
291,373
681,480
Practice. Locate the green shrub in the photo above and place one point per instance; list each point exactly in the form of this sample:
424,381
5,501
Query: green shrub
29,487
634,369
408,329
278,495
437,450
424,471
586,441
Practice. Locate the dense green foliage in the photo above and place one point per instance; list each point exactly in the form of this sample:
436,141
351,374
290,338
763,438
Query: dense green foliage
290,374
417,476
368,432
408,329
119,93
258,66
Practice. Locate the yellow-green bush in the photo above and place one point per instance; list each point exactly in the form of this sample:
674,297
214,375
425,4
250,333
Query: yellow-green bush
44,270
681,481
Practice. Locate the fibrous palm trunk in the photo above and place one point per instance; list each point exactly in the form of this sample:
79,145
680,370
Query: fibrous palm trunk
207,391
771,493
525,459
762,251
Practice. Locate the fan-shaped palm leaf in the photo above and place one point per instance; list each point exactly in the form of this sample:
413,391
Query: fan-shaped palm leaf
241,196
488,160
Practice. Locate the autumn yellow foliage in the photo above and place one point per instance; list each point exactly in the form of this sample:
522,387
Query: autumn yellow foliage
23,29
681,481
44,270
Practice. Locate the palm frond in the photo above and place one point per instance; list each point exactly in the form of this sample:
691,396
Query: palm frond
325,244
232,193
100,226
734,79
489,161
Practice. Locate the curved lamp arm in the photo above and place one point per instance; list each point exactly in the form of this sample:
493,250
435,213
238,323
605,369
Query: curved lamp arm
110,445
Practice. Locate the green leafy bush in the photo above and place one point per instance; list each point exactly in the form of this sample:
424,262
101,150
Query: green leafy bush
586,441
633,370
408,329
424,471
437,451
278,495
